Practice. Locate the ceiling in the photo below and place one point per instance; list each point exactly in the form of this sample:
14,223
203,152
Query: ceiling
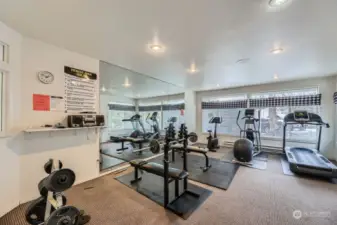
213,34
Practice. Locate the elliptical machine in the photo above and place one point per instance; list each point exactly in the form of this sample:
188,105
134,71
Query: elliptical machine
213,141
154,134
249,144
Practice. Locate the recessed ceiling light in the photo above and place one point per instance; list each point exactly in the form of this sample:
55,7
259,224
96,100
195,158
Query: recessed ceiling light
103,89
193,69
275,76
275,3
276,50
156,48
126,82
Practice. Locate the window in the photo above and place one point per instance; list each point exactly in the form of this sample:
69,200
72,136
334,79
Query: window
272,117
117,112
3,52
225,107
173,109
4,49
148,124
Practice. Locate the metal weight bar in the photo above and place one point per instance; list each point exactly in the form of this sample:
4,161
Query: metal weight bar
155,145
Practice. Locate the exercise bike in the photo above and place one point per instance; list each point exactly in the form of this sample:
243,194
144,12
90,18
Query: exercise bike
213,141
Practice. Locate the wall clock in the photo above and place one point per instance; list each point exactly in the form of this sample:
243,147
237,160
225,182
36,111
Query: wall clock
45,77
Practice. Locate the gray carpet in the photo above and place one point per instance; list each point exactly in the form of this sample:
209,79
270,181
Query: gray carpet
259,162
255,197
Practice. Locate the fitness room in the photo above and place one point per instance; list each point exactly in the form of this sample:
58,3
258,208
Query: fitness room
164,112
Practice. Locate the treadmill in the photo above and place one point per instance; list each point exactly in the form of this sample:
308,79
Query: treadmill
305,160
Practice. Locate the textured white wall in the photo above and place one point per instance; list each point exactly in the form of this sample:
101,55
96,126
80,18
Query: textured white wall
78,150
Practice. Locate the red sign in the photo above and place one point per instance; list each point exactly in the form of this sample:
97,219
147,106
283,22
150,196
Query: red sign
41,102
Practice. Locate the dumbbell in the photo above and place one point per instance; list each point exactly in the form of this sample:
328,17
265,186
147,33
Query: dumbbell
57,181
49,165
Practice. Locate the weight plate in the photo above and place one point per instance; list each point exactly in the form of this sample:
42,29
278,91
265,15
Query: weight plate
193,137
42,188
48,166
36,211
60,180
66,215
154,146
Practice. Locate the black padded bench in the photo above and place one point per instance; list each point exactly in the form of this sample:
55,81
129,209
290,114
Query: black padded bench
157,169
194,149
122,140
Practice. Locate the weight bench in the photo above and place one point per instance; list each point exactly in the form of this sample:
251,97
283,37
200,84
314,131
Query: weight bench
158,169
122,140
194,149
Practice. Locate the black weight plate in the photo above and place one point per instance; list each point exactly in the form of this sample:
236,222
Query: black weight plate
154,146
60,180
36,211
42,188
48,166
66,215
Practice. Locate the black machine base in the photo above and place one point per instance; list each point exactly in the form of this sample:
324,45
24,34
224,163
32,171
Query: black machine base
151,186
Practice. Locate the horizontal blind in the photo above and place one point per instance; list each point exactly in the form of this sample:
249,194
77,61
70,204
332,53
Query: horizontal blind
304,100
149,108
122,107
335,97
235,104
168,107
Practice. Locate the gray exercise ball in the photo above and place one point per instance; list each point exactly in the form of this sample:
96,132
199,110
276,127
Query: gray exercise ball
243,150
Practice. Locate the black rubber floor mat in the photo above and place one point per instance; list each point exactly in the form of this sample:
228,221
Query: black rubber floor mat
220,175
126,155
152,187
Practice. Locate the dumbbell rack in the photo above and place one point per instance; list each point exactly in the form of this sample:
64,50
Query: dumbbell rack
50,208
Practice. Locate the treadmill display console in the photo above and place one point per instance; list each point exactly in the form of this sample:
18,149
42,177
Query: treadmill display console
301,116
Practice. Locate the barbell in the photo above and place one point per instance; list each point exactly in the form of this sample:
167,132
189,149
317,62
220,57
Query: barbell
155,145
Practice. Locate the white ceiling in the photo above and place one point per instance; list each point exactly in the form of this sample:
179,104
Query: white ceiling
213,33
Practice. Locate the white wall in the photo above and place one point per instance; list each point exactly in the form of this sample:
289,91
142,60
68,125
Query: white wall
327,86
79,150
9,157
191,110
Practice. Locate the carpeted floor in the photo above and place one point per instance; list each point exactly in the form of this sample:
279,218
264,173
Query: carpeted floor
255,197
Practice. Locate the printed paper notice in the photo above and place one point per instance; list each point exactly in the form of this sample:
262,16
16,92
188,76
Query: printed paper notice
41,102
56,103
80,90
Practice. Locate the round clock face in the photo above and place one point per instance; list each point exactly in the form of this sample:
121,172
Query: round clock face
45,77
